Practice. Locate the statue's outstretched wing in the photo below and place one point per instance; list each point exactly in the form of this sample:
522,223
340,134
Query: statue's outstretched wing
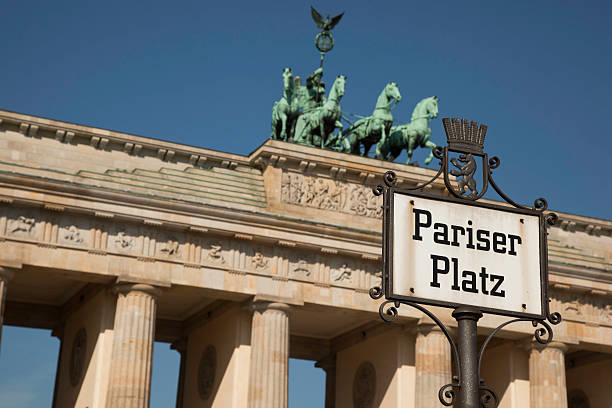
335,20
317,17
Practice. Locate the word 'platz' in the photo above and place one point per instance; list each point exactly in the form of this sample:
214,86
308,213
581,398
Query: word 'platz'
452,253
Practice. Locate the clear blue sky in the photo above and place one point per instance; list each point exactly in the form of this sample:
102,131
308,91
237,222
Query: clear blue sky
206,74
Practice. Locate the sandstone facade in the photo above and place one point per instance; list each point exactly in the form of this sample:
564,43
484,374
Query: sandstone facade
115,241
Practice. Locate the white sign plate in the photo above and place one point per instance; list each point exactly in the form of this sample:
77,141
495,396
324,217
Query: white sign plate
452,254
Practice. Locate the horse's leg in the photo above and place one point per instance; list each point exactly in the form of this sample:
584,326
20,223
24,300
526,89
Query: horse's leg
283,133
322,130
382,140
366,148
431,145
354,140
381,151
409,153
409,144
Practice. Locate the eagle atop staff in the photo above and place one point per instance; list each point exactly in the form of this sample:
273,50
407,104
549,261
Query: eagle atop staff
327,24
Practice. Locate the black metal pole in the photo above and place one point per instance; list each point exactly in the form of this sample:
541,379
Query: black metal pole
467,319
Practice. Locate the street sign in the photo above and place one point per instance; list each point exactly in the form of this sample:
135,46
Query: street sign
455,251
449,252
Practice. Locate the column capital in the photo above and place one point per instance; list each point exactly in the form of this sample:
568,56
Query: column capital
126,288
534,345
267,305
426,325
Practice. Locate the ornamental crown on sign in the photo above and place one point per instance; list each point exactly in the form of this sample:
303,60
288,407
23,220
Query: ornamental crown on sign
464,135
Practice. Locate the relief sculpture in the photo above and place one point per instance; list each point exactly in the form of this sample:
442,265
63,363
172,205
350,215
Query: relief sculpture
582,306
214,254
259,261
342,274
327,194
23,224
170,247
73,234
124,242
301,268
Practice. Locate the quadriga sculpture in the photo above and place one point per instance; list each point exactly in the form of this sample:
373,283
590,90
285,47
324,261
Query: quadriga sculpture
315,127
411,135
375,128
287,109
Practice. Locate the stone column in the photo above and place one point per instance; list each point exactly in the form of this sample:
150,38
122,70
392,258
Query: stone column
132,355
181,347
6,274
547,376
328,364
432,364
268,382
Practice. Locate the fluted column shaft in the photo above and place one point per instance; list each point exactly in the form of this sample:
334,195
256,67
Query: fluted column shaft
547,387
6,274
131,361
432,363
268,379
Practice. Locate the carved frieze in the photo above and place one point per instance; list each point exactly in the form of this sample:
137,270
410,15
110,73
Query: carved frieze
72,234
215,253
582,306
123,242
240,252
342,274
23,226
328,194
259,261
74,230
300,269
168,246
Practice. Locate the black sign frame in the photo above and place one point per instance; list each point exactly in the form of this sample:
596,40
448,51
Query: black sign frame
388,233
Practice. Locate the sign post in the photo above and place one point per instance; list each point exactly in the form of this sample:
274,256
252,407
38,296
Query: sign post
472,256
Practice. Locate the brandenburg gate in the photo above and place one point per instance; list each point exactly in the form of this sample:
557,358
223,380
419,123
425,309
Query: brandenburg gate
115,242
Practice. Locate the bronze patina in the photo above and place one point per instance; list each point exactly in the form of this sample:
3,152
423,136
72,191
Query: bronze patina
307,116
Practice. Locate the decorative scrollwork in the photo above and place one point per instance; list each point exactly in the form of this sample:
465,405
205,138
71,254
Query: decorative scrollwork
376,292
390,313
551,218
494,162
540,204
488,397
438,152
543,335
554,318
542,331
446,395
390,178
378,190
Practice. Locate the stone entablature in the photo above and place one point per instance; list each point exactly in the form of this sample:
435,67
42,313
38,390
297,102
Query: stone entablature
108,140
53,228
593,307
314,233
193,247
